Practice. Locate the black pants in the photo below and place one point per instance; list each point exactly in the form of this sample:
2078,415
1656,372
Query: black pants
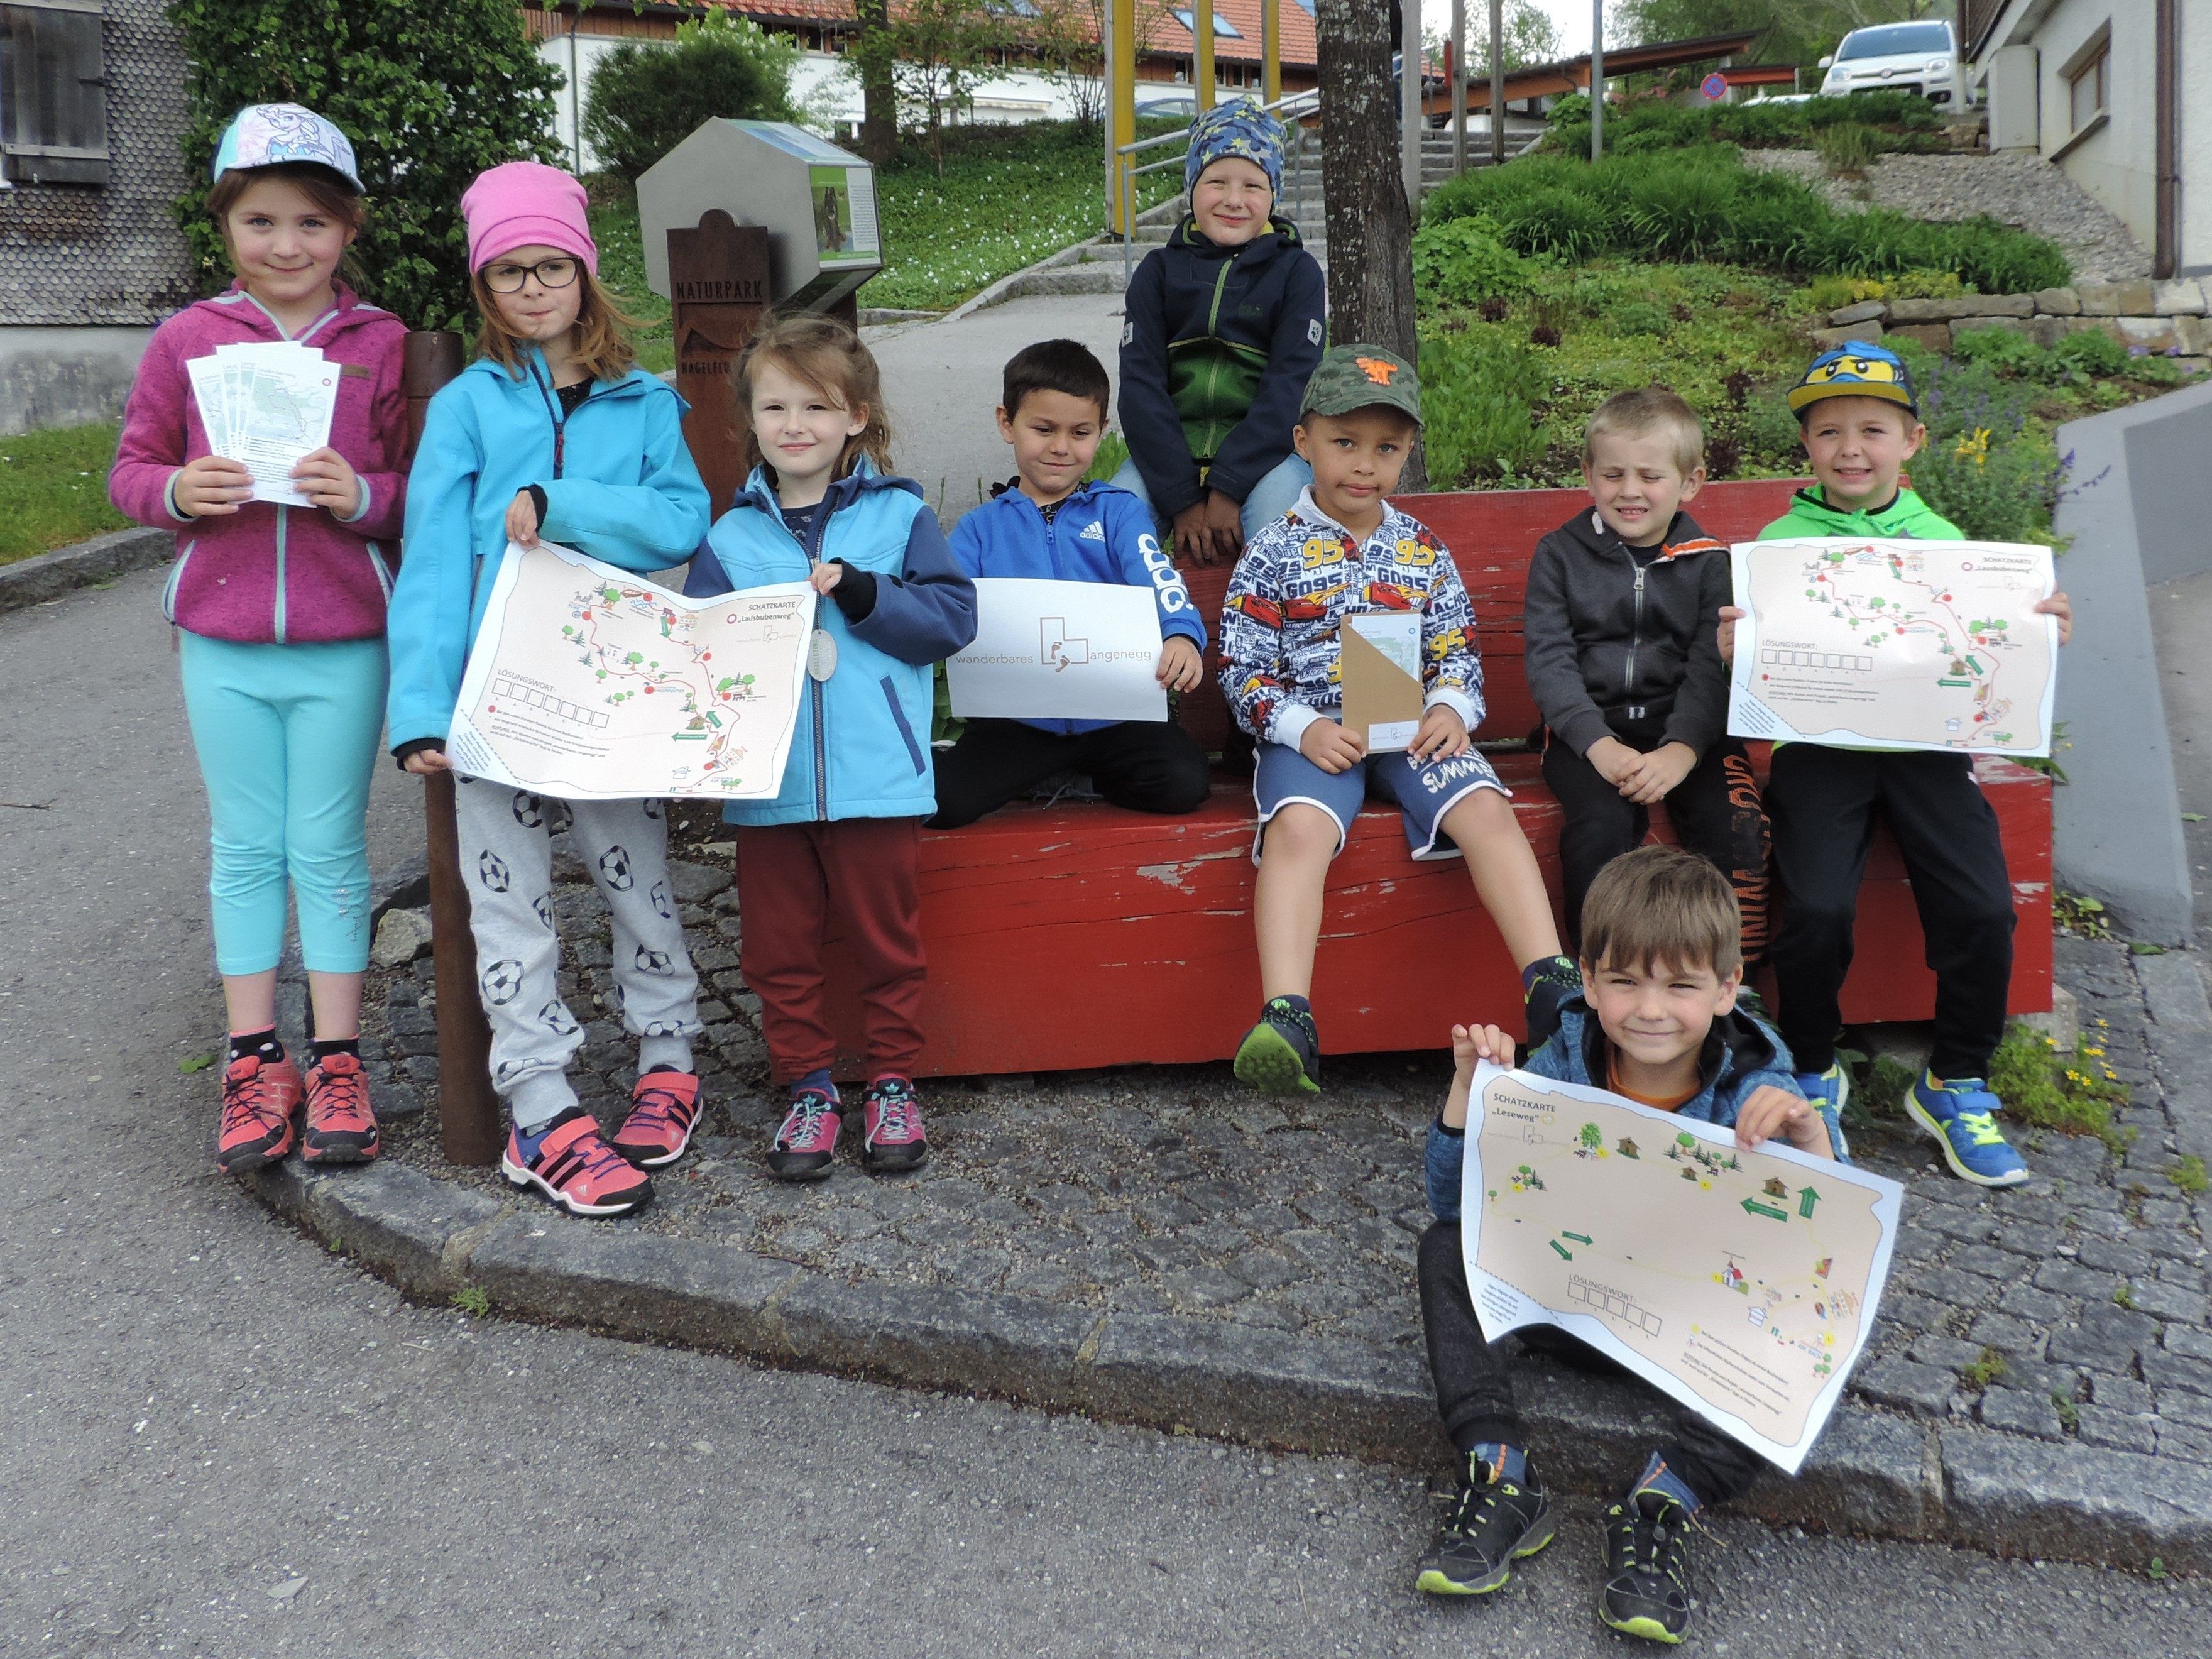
1824,802
1716,812
1474,1390
1148,766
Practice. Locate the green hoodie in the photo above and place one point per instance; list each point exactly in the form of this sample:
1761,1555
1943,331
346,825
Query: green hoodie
1907,517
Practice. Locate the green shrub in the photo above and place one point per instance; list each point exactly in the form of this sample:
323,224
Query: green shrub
1680,214
2092,351
1994,490
430,96
1478,396
1847,148
1890,120
1461,262
648,96
1639,317
1563,223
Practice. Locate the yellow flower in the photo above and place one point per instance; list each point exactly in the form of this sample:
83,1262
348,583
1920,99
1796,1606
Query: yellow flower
1975,448
2087,1049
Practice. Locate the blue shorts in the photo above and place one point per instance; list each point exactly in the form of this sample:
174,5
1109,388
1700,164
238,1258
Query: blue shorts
1424,793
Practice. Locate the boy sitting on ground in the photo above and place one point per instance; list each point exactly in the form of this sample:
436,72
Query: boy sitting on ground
1224,325
1623,608
1860,422
1342,552
1659,1025
1048,523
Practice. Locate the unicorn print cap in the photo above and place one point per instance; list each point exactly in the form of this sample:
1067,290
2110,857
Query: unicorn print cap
1235,127
262,135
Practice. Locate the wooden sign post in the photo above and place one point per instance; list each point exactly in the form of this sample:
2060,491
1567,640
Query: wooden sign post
718,279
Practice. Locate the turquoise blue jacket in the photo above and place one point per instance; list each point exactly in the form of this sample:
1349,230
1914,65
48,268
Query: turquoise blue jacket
619,485
862,747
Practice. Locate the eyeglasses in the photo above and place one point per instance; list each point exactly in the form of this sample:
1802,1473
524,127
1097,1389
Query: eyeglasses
549,273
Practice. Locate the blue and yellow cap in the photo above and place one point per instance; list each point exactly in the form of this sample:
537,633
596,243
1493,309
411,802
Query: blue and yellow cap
1855,369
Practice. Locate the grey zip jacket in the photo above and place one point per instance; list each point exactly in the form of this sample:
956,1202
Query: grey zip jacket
1613,648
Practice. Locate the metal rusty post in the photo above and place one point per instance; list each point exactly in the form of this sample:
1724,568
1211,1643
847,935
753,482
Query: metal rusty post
468,1114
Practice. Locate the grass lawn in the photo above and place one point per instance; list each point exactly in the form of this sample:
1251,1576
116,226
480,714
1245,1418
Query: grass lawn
54,490
1008,195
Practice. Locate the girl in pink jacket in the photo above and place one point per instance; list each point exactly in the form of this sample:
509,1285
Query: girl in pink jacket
280,618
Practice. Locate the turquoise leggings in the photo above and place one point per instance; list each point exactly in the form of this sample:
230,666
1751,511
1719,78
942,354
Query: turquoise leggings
287,735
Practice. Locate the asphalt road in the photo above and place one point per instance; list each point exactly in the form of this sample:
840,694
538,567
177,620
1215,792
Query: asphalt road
222,1440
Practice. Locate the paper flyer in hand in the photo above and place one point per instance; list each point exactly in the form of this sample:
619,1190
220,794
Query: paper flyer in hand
1381,678
266,404
1743,1284
589,684
1895,645
1048,650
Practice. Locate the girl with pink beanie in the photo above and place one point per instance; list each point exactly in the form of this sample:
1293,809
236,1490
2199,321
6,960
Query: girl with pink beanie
554,432
280,613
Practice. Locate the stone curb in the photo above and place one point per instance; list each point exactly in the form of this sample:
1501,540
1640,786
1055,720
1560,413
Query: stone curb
48,576
1873,1473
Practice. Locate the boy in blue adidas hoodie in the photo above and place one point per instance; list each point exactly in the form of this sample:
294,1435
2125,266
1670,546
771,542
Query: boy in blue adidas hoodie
1048,523
839,846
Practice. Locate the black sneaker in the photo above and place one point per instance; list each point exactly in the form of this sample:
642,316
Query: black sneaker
1494,1523
1281,1055
1647,1568
1556,980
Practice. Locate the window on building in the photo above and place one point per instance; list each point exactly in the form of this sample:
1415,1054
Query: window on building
2086,88
1222,26
53,92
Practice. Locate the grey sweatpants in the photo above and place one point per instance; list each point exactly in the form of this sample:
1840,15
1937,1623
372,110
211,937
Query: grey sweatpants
506,858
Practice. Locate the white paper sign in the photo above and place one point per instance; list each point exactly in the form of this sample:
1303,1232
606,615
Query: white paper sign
1046,650
266,404
1895,644
588,683
1742,1283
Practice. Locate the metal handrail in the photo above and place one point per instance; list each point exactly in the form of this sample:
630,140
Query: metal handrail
1125,173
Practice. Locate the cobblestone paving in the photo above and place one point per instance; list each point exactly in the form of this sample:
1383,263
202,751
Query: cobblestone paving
2073,1308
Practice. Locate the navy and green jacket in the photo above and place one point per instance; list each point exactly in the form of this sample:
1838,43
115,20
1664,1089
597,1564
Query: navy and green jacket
1216,352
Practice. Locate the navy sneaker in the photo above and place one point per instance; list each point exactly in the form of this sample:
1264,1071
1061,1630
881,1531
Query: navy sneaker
1647,1568
1546,988
1281,1055
1961,1115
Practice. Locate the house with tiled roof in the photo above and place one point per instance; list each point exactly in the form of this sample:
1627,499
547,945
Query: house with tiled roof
573,38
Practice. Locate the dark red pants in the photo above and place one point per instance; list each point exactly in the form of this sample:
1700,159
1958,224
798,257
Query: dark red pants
797,884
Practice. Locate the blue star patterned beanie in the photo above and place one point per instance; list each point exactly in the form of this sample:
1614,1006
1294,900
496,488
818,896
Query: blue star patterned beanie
1235,127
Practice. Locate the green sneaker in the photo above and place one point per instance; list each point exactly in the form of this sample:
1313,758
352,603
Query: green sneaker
1493,1523
1281,1055
1647,1568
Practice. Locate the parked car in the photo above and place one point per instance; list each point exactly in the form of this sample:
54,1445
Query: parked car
1922,57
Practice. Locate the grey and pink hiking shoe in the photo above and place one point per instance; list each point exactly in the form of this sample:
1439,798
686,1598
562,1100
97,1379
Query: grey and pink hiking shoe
808,1140
568,1162
891,1140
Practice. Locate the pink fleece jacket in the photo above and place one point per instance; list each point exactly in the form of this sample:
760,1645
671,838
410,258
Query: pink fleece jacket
271,574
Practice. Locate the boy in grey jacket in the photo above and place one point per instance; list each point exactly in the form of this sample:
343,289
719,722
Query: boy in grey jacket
1621,618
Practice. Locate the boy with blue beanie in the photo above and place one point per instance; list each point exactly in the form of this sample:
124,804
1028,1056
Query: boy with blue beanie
1225,326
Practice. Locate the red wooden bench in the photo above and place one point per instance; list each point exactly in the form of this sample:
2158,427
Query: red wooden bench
1081,935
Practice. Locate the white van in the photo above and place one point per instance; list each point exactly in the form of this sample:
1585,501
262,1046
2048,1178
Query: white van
1922,57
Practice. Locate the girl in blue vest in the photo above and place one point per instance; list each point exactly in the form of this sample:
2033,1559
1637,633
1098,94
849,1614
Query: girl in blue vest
554,432
839,846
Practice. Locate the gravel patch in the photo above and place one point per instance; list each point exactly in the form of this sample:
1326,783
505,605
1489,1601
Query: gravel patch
2018,189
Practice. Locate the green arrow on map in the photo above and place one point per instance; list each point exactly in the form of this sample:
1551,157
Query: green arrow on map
1752,1206
1807,1198
1579,1238
1565,1254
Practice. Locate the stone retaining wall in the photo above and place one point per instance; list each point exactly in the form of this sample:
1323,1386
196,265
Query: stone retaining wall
2171,320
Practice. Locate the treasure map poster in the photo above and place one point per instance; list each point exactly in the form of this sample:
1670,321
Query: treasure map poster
587,683
1743,1284
1895,644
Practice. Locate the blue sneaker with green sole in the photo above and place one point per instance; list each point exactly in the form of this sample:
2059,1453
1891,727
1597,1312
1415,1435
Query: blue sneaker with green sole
1961,1115
1281,1056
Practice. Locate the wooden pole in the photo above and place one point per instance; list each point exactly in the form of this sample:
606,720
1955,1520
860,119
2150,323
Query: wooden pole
468,1113
1497,82
1271,51
1201,32
1457,69
1597,79
1121,114
1409,101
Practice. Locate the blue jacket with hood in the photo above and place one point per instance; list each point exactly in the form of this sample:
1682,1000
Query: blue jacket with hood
1100,534
862,747
619,485
1741,1055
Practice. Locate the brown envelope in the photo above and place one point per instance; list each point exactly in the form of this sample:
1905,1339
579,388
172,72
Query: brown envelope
1381,700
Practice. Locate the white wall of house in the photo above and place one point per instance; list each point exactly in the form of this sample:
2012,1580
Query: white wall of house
2196,138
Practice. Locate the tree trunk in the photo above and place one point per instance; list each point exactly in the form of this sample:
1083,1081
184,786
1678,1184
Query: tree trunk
878,96
1370,225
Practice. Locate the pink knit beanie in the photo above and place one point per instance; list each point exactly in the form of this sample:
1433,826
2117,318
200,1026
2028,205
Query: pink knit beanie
521,203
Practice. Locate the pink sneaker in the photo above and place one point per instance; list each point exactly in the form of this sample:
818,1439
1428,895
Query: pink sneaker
662,1110
258,1102
891,1142
808,1138
341,1125
576,1169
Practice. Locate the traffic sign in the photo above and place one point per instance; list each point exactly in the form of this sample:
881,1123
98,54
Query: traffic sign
1715,87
